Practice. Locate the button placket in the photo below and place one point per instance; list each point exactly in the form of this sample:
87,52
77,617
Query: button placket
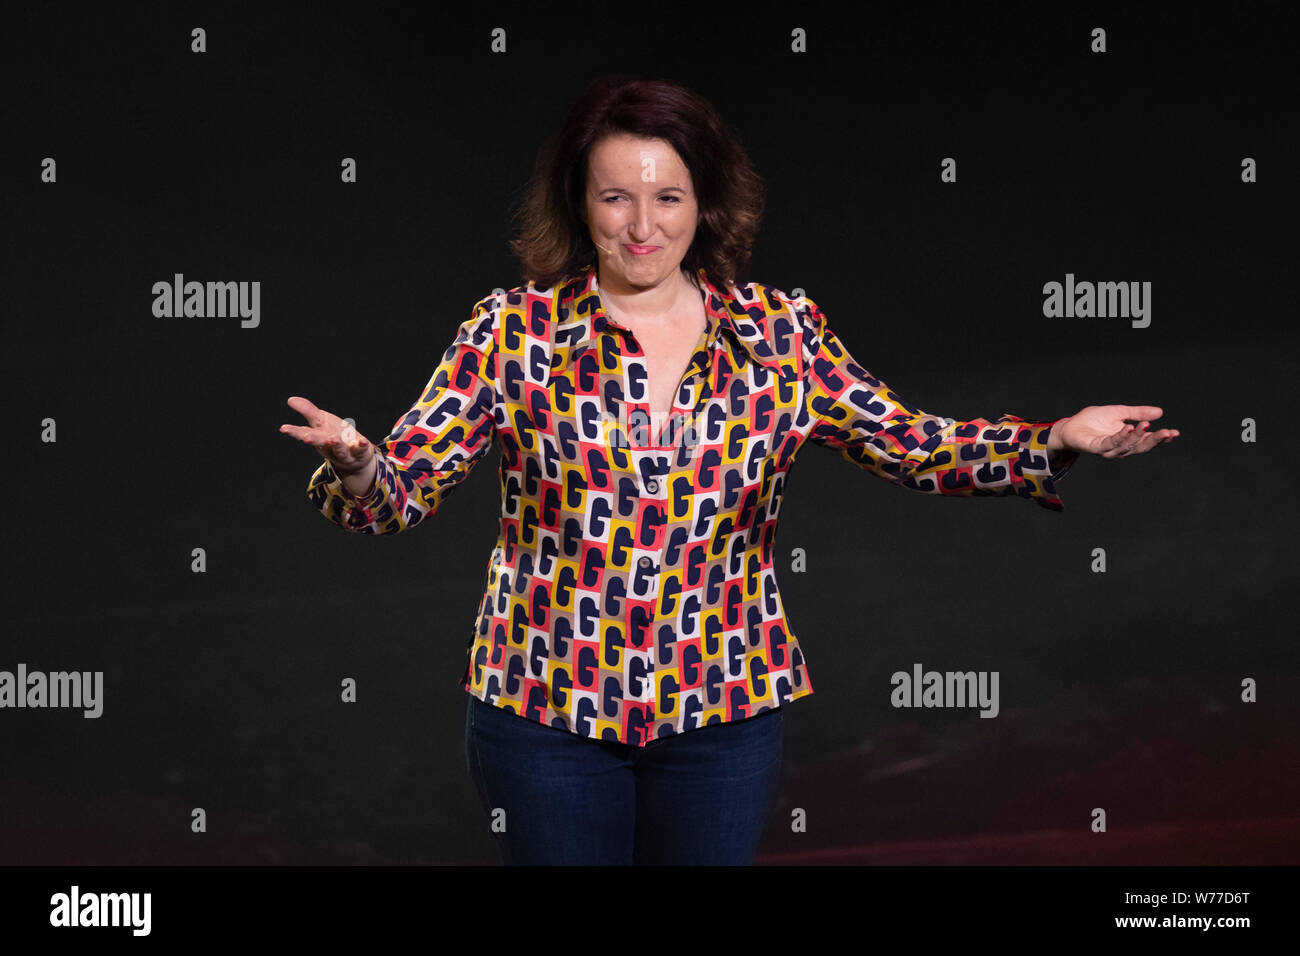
643,438
659,487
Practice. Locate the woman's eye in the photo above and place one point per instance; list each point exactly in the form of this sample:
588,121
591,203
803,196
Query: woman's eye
673,198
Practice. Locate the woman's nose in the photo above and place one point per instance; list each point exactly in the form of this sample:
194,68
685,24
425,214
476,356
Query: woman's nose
643,225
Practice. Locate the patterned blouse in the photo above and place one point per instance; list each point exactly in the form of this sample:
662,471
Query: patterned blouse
631,593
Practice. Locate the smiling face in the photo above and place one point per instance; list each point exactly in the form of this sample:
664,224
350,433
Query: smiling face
641,210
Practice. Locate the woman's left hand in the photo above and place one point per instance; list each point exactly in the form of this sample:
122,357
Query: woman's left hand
1103,430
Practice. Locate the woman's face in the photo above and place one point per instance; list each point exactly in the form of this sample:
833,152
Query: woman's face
639,194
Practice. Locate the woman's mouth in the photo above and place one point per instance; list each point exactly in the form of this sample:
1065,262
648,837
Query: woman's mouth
639,250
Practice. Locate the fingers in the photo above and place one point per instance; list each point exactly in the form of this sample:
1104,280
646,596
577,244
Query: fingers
1135,439
1132,442
1118,442
320,431
348,432
303,407
332,447
308,436
1142,412
1124,441
354,448
315,417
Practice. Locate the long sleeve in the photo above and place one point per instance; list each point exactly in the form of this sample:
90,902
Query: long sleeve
873,427
433,447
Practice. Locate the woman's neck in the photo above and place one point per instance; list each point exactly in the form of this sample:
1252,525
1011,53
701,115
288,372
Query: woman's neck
640,305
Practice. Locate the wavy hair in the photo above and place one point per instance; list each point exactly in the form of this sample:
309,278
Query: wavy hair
553,242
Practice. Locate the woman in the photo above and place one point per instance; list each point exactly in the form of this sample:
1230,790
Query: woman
631,653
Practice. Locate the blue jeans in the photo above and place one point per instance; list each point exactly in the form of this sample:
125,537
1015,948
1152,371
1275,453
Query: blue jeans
699,797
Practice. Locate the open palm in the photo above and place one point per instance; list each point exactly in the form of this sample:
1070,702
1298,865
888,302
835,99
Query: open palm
337,440
1105,430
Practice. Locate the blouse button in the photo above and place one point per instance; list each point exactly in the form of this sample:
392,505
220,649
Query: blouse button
644,562
652,486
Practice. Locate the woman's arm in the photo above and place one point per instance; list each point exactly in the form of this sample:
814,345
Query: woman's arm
880,432
431,449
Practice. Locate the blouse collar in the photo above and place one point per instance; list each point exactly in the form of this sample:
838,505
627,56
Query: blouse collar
581,318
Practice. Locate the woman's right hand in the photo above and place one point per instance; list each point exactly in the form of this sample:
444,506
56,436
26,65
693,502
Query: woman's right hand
338,442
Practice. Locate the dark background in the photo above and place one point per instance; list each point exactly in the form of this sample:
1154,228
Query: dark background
221,690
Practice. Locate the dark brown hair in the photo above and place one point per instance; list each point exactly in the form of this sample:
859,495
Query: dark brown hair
554,242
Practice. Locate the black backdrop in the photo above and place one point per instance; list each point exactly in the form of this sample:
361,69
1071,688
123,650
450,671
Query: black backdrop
1119,690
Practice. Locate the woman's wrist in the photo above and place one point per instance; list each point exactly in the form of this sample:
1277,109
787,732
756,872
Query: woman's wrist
361,484
1055,446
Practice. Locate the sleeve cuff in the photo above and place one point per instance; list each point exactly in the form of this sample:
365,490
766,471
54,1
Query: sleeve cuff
326,491
1038,470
